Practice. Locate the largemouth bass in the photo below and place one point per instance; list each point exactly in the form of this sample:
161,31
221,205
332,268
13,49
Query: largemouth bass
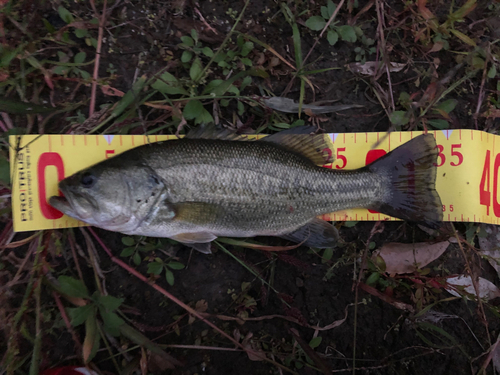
198,188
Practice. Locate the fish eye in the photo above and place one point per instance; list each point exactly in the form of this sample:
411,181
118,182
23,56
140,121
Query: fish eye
88,180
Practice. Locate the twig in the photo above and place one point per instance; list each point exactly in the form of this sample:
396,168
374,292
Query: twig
95,76
69,327
480,97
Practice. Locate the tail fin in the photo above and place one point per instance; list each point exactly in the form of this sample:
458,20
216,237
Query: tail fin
411,174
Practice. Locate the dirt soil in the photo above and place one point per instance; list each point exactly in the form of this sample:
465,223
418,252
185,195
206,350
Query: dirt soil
383,338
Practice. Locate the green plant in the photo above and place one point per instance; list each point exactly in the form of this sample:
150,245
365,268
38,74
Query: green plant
96,305
158,265
335,31
67,68
135,248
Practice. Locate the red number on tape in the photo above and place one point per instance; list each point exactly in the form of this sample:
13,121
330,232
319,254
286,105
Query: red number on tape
484,185
440,155
48,159
341,157
496,205
458,154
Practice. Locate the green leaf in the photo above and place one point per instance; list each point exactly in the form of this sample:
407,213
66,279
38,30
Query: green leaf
332,37
241,108
186,56
80,314
350,224
194,34
192,110
246,61
168,84
7,56
128,251
448,105
72,287
92,339
128,241
327,255
187,40
316,23
247,48
246,81
83,74
315,342
347,33
109,302
60,70
331,8
204,118
4,170
130,97
373,278
80,57
196,69
65,15
207,51
50,29
438,123
176,265
297,45
324,13
18,107
112,322
81,33
492,72
136,259
169,276
155,268
399,118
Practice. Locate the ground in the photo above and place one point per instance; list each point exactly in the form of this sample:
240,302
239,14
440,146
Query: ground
281,304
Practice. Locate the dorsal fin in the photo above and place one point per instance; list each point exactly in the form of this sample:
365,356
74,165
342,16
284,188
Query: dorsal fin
211,132
315,147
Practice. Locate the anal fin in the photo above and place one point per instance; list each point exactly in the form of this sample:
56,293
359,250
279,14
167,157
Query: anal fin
317,233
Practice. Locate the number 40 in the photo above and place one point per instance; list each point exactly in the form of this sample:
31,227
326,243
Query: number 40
484,185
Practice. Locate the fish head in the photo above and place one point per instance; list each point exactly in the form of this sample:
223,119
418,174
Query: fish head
113,197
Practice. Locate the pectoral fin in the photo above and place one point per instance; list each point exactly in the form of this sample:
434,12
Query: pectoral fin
317,233
198,241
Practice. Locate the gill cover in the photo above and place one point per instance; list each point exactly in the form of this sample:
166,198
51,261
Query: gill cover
110,196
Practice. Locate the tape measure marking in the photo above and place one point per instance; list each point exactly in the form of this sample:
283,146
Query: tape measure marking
467,171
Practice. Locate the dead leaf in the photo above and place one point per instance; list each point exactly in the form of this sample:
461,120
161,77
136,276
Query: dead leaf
406,258
438,46
253,351
397,304
201,305
369,68
487,289
111,91
490,245
287,105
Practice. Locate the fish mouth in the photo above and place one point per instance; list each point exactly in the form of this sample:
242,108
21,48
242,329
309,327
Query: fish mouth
68,207
62,204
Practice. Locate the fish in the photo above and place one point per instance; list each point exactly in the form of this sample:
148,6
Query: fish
211,184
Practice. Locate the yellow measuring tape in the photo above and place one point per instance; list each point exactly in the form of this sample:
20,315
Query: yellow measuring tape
467,178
